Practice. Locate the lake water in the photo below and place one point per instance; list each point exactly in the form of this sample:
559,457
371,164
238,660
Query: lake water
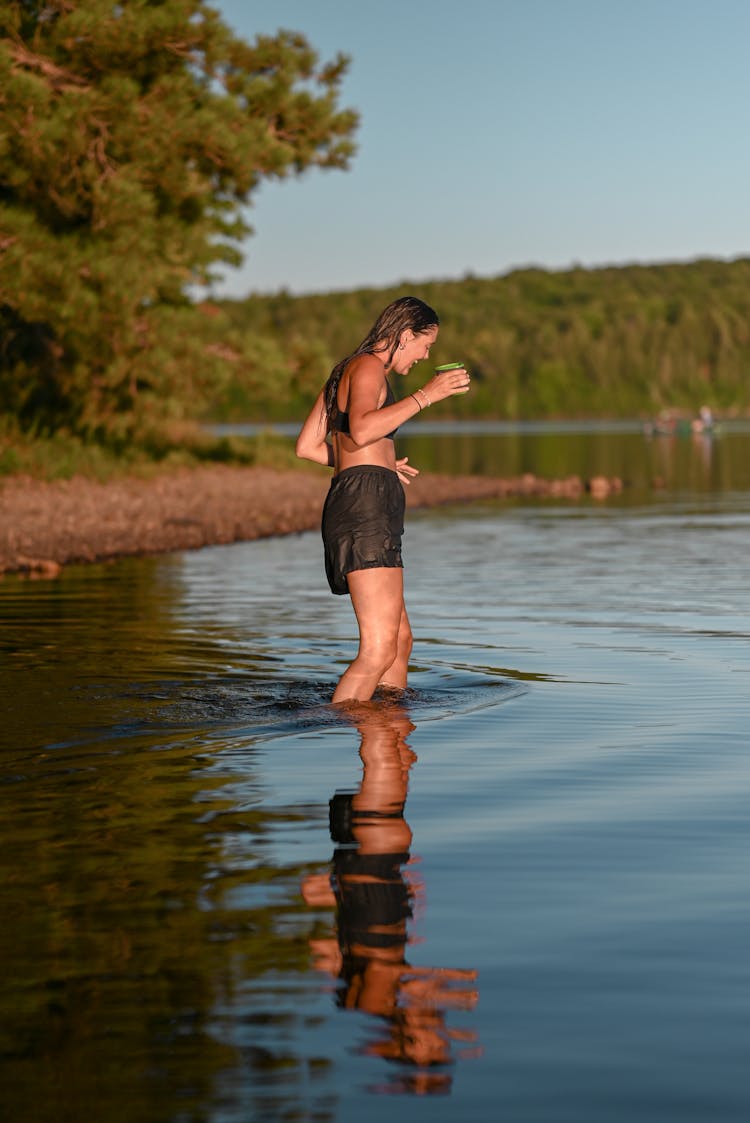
520,893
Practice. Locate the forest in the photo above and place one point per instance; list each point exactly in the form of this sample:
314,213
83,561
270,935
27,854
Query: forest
624,341
107,234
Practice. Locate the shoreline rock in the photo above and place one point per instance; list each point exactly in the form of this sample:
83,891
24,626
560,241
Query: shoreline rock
45,525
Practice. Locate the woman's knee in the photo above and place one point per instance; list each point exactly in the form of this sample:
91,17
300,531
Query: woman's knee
379,652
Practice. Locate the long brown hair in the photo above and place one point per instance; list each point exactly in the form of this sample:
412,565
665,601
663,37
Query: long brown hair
405,314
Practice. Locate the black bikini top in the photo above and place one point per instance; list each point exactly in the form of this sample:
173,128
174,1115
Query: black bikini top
340,420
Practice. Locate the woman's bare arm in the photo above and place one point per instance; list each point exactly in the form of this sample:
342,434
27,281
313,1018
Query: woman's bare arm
311,442
368,422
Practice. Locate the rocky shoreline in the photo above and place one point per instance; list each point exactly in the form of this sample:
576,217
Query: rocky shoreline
44,526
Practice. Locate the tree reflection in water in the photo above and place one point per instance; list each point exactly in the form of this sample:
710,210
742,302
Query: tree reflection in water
373,887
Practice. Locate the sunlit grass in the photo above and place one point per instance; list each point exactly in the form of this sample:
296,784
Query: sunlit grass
63,455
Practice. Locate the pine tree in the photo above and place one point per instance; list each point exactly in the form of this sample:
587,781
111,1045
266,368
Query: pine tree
132,135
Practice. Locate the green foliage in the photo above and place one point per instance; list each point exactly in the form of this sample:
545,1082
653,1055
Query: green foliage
597,343
131,136
62,454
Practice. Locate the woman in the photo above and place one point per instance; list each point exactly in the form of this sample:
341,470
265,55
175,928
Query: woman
364,510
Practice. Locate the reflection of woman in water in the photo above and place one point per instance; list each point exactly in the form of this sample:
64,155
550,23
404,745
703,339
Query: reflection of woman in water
374,896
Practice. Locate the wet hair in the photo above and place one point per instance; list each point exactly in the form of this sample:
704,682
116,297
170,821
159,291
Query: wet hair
405,314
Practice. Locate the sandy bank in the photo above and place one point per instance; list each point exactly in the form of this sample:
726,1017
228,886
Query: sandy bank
46,525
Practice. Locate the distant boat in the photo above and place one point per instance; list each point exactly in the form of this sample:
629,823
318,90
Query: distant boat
670,424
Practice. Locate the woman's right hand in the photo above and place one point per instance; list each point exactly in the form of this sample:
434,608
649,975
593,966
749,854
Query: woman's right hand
447,383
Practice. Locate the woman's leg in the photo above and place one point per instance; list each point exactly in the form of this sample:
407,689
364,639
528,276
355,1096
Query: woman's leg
395,676
378,600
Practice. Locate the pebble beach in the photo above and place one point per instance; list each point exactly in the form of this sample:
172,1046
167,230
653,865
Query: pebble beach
46,525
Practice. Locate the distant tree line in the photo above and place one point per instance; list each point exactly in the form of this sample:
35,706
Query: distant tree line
611,342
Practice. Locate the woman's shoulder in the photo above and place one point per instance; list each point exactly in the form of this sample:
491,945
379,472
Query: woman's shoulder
366,373
366,364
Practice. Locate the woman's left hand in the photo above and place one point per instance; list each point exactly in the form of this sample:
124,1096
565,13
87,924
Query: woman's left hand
404,471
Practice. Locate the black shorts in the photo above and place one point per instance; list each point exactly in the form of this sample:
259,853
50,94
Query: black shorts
363,520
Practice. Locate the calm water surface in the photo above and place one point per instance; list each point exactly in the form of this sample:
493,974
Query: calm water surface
520,893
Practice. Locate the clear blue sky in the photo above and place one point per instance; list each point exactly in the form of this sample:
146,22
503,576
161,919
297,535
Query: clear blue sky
501,133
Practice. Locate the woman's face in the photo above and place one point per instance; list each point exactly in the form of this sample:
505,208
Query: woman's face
414,349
